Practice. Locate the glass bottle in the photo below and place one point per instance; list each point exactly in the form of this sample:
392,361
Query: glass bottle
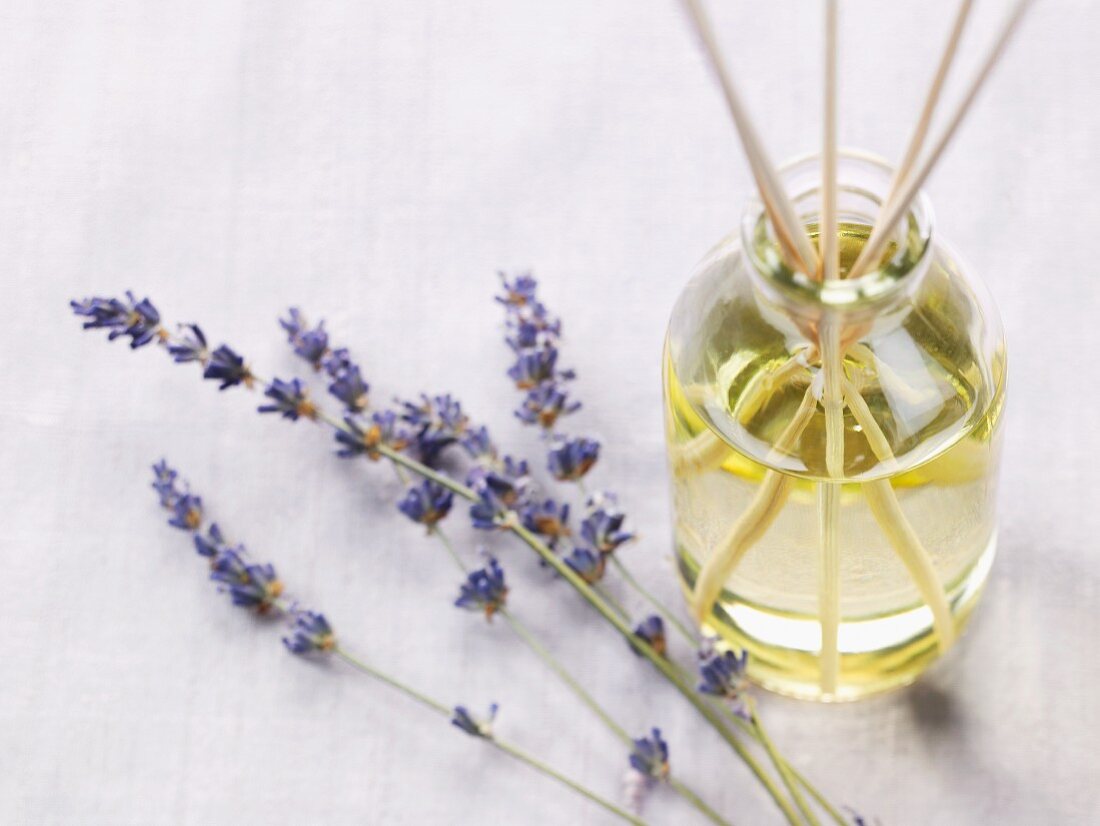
843,550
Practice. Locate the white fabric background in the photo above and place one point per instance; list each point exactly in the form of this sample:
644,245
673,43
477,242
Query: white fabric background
376,163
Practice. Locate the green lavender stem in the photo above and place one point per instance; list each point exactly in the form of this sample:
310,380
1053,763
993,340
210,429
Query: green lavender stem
505,747
538,765
667,613
666,668
551,662
781,766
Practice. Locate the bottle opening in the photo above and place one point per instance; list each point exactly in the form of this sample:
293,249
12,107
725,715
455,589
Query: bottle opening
864,182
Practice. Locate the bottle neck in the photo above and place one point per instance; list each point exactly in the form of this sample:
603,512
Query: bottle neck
882,291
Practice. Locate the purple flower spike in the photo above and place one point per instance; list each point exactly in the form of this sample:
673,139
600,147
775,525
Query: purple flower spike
501,492
310,633
189,346
519,292
548,519
602,527
650,756
249,585
652,631
465,721
186,512
212,544
349,387
723,675
384,430
438,422
426,503
479,445
545,404
533,367
228,368
137,319
309,343
570,459
484,590
587,565
290,399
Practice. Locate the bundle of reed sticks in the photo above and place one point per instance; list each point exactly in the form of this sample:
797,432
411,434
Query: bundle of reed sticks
835,393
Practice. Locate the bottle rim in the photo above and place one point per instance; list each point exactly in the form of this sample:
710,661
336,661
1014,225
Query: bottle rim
864,179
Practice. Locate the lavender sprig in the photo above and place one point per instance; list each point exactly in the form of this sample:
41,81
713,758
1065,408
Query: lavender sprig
235,372
533,330
311,634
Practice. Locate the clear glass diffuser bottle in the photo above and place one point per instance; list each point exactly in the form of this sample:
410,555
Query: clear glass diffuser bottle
834,446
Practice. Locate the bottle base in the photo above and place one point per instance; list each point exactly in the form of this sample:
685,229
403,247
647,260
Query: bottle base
877,654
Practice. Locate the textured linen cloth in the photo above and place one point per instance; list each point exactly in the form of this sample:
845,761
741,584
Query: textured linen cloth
375,163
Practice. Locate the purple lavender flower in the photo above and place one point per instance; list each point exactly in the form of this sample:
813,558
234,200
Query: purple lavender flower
384,430
348,384
570,459
438,422
533,367
723,675
137,319
479,445
164,483
527,335
484,589
602,527
290,399
652,631
311,343
212,544
337,361
349,387
587,565
649,757
310,633
426,503
186,512
228,368
548,519
472,726
249,585
500,492
518,292
516,469
545,404
648,766
189,346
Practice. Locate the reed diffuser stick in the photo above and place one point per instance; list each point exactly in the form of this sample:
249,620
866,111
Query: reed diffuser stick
706,451
924,122
832,365
788,227
887,511
755,520
881,234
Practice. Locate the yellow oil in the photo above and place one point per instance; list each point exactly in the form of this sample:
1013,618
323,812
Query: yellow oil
937,402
